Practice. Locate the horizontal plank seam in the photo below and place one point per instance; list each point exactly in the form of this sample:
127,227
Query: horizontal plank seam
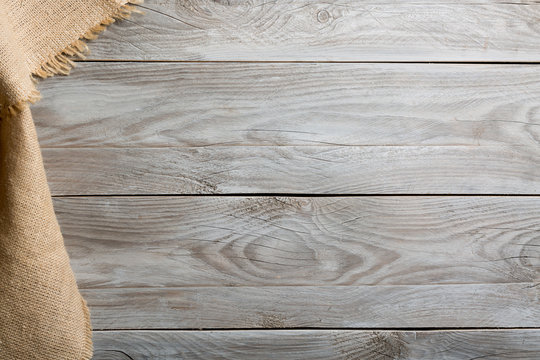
98,288
315,62
315,195
321,144
531,284
327,145
433,329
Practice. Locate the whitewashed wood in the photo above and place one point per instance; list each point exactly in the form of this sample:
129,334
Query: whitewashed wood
307,170
342,30
391,306
164,104
317,344
215,241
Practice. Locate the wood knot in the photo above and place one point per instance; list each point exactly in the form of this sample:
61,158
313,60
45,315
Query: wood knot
323,16
271,321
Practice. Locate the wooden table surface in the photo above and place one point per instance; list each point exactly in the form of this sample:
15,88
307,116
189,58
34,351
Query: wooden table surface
304,180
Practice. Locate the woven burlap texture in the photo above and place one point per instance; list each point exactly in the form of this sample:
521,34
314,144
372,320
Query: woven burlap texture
42,314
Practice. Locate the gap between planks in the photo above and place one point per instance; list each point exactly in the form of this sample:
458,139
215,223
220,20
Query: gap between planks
291,195
310,329
306,62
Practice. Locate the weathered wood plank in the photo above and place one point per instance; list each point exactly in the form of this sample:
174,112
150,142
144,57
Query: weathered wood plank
306,170
317,344
381,306
163,104
269,241
343,30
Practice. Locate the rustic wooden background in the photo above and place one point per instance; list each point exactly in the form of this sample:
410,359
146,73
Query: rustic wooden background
305,180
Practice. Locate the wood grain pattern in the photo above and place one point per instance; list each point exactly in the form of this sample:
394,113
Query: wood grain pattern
295,170
317,345
271,241
382,306
169,262
343,30
164,105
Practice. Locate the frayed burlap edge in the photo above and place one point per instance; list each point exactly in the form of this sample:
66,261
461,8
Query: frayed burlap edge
88,349
61,63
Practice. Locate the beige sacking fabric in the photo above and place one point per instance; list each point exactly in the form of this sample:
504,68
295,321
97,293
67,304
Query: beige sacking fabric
42,314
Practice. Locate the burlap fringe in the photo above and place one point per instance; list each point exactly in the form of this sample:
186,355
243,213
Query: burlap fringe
62,62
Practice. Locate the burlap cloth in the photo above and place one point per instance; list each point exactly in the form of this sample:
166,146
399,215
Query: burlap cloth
42,314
